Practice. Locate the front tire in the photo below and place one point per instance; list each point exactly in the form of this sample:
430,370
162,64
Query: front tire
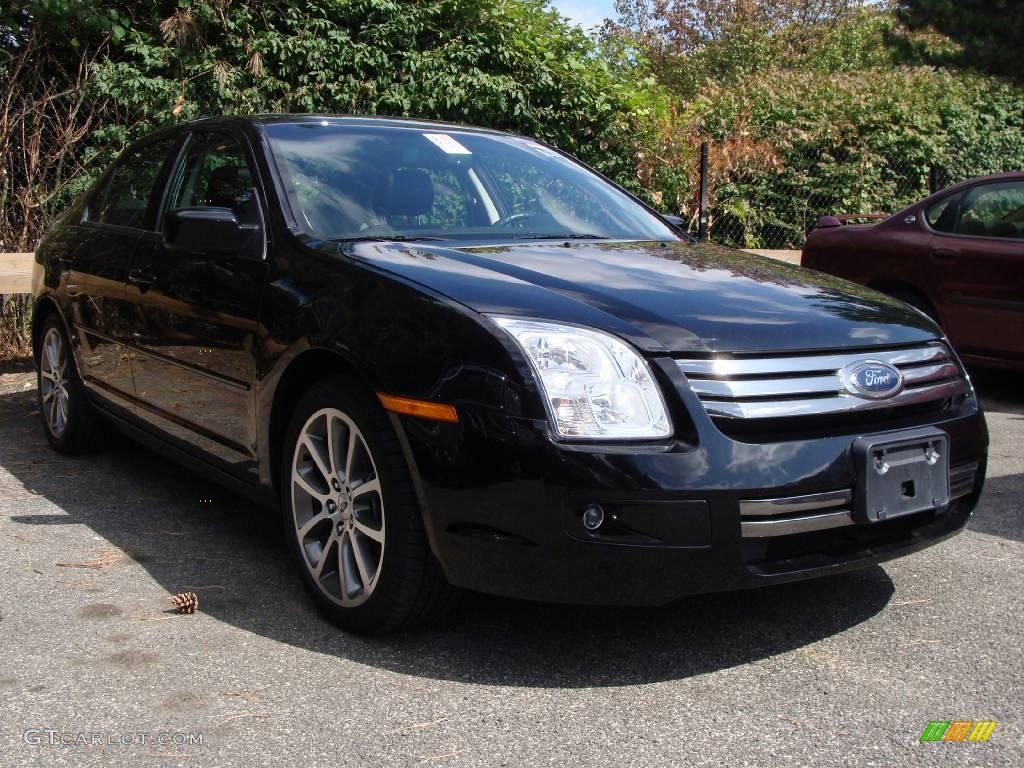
351,515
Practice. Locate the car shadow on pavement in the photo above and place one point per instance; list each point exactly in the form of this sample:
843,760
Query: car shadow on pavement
188,533
1000,513
999,390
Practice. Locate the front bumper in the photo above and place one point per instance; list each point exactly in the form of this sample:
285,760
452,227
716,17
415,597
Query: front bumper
503,506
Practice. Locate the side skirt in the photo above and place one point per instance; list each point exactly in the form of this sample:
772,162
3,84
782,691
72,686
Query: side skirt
262,495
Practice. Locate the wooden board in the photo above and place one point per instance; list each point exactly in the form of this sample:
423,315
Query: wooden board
16,272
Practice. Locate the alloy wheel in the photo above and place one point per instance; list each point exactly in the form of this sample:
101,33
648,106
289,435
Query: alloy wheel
337,507
53,382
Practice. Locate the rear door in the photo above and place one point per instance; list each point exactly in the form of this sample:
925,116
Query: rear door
118,216
194,346
978,270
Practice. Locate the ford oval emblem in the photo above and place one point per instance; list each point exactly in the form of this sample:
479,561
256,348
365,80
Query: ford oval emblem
871,379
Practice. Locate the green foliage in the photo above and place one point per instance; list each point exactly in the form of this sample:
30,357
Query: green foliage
811,107
509,65
86,77
988,33
849,143
839,115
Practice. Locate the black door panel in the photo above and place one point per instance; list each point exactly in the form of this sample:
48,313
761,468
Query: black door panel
99,315
97,265
197,315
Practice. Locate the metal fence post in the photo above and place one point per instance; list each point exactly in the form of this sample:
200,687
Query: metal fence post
933,180
702,225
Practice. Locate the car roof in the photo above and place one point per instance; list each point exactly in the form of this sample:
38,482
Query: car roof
332,119
1007,176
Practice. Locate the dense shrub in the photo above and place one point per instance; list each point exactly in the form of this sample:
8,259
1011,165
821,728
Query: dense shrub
508,65
851,124
789,148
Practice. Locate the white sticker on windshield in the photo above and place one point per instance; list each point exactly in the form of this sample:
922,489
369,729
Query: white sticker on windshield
447,144
541,148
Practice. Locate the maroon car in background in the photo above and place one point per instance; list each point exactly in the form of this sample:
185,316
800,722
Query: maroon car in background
958,256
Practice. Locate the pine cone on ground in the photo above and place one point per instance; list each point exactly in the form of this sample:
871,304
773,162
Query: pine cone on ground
186,602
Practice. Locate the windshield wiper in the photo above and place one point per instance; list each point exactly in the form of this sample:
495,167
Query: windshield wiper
573,236
386,239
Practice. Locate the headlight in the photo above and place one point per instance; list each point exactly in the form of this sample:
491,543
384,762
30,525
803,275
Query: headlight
595,385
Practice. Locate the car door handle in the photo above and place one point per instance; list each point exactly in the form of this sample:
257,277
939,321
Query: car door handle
143,278
943,255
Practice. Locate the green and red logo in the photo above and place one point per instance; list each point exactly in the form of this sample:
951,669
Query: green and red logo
958,730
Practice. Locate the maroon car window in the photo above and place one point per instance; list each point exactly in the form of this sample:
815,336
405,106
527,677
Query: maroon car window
127,196
941,216
993,210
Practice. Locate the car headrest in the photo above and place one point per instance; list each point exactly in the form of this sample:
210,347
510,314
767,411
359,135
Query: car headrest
229,186
407,192
973,227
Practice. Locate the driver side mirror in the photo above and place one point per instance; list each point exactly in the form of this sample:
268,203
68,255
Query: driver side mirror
676,221
206,230
828,222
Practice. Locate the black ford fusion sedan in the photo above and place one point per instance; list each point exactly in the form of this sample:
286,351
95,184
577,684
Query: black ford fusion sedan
458,358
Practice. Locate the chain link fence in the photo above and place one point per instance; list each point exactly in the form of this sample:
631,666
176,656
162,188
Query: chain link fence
771,199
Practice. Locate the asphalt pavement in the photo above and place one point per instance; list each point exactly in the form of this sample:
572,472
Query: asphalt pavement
843,671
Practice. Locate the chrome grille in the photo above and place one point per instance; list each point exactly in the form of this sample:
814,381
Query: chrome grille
810,384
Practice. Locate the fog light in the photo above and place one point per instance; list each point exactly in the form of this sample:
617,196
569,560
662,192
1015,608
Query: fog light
593,516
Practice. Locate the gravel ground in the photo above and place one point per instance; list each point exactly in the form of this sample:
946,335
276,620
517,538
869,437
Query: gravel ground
844,671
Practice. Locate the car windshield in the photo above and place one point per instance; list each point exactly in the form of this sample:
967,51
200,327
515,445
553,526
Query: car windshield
347,181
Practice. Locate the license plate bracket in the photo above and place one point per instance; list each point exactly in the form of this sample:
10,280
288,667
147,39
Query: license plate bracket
900,474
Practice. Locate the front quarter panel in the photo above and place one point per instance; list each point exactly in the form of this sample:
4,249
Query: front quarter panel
399,338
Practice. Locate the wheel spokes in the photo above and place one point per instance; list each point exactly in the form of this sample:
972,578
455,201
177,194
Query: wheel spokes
370,486
377,534
299,479
53,415
53,345
62,411
361,562
335,440
312,523
316,452
325,556
335,484
350,455
53,384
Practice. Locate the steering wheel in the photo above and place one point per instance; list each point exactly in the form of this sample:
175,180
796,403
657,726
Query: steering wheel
510,220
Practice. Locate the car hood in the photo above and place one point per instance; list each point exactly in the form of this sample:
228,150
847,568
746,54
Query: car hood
675,297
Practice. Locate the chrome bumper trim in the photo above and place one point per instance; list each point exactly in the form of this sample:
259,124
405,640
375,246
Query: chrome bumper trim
791,504
756,529
795,514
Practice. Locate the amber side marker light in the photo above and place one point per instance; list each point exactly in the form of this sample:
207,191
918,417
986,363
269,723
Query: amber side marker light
420,408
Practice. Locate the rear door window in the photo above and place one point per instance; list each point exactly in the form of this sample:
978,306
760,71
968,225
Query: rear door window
941,216
133,190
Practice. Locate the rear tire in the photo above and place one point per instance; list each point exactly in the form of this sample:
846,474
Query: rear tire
351,516
71,424
917,300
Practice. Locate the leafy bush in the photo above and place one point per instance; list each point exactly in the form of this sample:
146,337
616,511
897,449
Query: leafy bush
509,65
818,136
